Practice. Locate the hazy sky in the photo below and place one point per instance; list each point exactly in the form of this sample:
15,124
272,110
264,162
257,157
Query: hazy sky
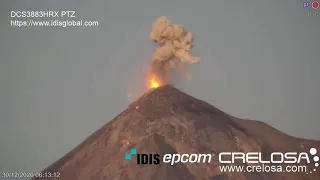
259,60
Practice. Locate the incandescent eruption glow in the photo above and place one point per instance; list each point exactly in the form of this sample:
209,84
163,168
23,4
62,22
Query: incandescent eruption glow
151,80
154,82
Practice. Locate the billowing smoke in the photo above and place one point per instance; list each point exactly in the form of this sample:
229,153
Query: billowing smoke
175,45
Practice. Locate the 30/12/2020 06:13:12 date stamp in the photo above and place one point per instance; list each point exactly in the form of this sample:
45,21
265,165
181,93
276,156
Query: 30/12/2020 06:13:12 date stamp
30,174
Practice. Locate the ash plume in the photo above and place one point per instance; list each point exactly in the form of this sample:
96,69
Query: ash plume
175,45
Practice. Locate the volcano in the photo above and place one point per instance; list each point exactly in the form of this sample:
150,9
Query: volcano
166,120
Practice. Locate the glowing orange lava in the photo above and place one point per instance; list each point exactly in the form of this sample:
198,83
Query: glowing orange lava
154,82
125,141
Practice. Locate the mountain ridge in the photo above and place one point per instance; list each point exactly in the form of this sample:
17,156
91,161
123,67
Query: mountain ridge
167,120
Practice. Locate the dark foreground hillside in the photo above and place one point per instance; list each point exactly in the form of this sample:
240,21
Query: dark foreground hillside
167,120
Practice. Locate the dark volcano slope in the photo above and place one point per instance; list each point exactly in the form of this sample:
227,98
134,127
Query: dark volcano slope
167,120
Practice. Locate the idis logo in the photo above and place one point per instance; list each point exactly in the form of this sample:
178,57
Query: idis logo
132,152
143,158
171,159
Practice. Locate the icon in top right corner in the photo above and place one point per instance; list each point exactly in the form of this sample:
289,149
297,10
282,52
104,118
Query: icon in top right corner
314,4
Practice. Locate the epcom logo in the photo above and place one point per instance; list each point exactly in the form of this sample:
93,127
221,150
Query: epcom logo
143,158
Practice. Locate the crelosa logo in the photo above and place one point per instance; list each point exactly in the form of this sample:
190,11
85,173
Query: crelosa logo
168,158
275,157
